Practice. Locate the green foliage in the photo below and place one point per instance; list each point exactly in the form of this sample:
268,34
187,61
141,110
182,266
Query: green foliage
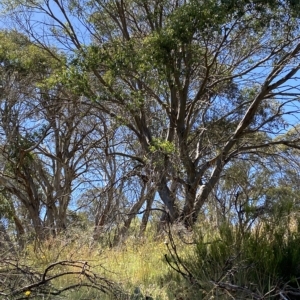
6,209
261,258
18,151
274,257
162,146
185,72
19,54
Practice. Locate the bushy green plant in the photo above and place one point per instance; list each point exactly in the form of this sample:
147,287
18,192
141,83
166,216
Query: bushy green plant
275,255
258,263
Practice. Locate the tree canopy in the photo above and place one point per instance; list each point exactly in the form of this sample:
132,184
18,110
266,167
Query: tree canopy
146,105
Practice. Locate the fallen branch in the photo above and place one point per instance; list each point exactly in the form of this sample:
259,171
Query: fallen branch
18,281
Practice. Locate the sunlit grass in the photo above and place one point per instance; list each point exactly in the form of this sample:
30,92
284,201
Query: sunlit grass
139,267
137,263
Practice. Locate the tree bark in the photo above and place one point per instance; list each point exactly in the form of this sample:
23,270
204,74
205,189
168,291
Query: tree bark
169,201
146,214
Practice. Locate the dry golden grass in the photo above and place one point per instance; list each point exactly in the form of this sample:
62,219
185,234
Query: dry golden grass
136,263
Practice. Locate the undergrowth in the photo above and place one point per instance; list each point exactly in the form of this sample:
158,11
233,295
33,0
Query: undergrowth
210,263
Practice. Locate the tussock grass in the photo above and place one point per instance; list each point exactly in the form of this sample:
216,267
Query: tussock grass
222,263
135,264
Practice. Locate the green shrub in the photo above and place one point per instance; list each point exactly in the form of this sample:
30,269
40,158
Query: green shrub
244,266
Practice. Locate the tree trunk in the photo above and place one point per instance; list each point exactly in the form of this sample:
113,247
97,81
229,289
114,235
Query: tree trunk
131,215
187,213
36,221
169,201
50,219
146,214
20,232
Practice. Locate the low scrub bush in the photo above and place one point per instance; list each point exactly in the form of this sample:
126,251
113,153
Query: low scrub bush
263,263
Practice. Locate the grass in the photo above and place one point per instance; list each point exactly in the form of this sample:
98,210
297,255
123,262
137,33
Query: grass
263,262
136,265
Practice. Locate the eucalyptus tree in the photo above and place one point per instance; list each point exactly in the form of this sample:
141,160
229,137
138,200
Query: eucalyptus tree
114,190
48,135
197,83
261,187
20,130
